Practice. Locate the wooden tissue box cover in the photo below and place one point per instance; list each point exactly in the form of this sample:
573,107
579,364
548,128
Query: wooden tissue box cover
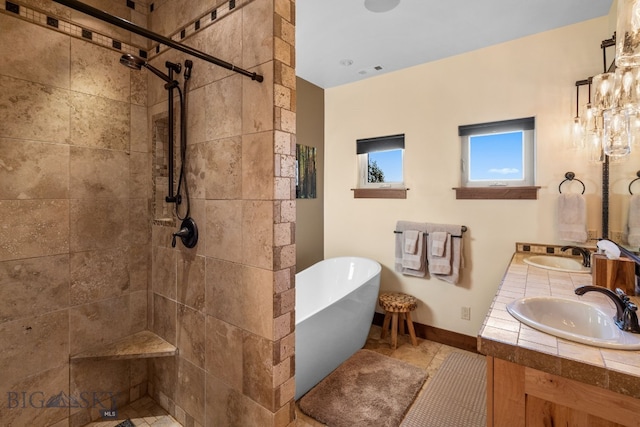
614,273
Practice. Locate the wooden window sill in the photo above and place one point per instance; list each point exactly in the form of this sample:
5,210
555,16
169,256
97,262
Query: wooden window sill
379,193
502,193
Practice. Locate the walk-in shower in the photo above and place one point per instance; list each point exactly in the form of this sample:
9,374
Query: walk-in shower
188,232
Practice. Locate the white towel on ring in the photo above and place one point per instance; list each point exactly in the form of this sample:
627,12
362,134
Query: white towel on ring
633,221
572,218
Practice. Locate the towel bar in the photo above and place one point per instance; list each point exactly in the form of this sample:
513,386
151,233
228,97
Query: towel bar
463,228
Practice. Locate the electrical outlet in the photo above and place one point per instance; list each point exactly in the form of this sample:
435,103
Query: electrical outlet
592,235
465,313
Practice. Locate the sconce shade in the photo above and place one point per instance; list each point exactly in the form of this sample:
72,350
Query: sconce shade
603,91
627,87
616,135
628,33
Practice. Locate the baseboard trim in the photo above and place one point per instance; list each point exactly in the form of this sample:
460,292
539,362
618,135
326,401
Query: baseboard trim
442,336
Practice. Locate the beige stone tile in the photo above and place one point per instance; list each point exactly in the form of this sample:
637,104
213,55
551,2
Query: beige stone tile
139,267
224,238
140,141
139,86
223,176
223,111
164,373
92,173
141,177
164,318
258,166
226,406
96,275
163,276
224,352
101,380
92,325
36,45
97,71
190,389
139,221
256,301
38,388
257,33
34,344
257,102
191,280
257,234
33,170
257,353
33,228
191,335
223,293
226,35
98,224
196,170
19,100
33,286
99,122
196,101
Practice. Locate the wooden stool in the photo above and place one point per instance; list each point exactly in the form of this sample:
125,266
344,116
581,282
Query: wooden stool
397,304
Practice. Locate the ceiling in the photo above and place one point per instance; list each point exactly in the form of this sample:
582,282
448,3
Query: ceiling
330,33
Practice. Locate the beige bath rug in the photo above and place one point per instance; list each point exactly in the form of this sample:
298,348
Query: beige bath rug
454,397
368,390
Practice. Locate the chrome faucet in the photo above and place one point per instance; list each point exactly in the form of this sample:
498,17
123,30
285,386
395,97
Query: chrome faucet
626,318
586,255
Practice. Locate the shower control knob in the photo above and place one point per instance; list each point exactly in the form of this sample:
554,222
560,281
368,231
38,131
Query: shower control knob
188,233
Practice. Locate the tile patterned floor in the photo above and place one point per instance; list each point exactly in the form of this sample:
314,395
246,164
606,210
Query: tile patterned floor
428,355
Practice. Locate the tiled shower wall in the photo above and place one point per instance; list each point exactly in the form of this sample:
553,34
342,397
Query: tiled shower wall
228,303
75,225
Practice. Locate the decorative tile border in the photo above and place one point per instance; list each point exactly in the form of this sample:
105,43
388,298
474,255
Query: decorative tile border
15,8
538,248
43,19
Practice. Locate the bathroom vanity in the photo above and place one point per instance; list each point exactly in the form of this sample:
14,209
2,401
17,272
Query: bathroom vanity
537,379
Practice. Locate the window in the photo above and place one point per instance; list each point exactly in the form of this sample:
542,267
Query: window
498,154
380,162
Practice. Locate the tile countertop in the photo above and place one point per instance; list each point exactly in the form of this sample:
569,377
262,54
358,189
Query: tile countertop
504,337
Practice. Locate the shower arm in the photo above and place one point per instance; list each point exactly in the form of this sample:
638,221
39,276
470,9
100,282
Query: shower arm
129,26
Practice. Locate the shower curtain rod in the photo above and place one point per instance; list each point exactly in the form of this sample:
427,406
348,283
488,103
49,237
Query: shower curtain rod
129,26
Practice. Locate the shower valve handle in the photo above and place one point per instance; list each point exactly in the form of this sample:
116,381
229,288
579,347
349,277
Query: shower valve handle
188,233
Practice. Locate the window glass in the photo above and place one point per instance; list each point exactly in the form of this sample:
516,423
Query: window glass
498,153
380,161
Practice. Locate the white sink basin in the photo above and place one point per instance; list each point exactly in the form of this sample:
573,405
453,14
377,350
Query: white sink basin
573,320
557,263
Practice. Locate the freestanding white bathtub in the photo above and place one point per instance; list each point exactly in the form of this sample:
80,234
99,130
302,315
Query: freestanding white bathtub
335,302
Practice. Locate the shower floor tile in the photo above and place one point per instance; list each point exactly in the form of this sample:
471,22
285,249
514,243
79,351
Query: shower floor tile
144,412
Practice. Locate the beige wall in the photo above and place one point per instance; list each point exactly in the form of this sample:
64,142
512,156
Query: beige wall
531,76
310,212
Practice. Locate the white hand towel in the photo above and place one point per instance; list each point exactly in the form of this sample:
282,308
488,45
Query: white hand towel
456,251
438,241
415,260
439,264
572,218
411,241
401,227
633,222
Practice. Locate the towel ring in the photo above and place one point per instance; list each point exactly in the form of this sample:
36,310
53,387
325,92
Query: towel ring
570,176
638,177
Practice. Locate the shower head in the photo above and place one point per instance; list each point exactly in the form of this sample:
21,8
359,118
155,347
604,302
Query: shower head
132,62
137,63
